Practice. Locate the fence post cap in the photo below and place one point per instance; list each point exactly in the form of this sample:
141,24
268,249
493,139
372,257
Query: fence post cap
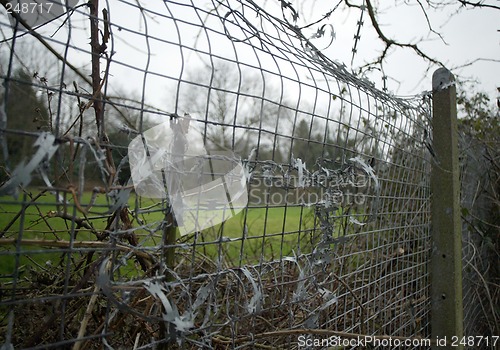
441,79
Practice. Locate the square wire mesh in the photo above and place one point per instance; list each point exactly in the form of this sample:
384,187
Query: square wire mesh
334,236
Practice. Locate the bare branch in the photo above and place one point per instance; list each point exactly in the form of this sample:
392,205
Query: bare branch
429,25
479,4
76,244
391,42
470,63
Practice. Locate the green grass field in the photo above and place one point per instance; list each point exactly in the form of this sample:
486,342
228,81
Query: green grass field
270,232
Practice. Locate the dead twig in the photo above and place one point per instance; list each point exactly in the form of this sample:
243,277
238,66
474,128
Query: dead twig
86,318
76,244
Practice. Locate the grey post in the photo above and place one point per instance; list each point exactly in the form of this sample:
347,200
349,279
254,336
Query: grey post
446,257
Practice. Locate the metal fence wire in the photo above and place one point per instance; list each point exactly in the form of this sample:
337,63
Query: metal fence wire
479,201
201,175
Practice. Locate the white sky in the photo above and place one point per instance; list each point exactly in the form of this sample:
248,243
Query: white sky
470,34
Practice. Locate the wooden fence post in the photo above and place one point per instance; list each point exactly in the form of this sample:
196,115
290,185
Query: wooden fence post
446,256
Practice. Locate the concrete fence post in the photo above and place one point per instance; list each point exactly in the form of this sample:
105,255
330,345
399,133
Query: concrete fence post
446,256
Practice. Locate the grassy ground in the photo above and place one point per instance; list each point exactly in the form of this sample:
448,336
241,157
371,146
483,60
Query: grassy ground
248,237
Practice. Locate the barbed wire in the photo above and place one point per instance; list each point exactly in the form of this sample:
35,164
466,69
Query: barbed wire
334,230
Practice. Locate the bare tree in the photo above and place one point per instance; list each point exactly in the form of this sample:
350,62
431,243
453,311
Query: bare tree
240,114
304,15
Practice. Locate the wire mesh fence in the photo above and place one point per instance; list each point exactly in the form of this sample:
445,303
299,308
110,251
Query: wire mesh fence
479,195
201,175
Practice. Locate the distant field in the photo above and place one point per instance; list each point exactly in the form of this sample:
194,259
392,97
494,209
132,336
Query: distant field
270,232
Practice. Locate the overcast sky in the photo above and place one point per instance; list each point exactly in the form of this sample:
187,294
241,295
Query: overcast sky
469,35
